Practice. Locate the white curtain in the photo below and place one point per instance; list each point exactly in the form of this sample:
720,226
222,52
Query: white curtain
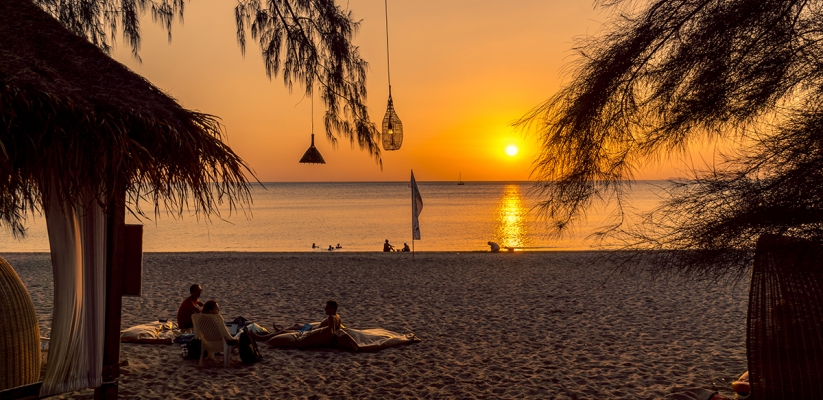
77,238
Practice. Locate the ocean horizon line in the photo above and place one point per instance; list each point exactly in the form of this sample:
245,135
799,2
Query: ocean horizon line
349,252
448,181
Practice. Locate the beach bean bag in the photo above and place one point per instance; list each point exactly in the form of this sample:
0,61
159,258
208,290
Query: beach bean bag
322,337
152,333
372,339
697,394
741,386
346,338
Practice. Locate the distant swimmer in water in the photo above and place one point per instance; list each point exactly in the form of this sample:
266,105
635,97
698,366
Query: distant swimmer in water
494,247
387,247
314,246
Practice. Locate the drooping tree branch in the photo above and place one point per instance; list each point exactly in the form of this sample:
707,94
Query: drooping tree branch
308,41
100,20
671,75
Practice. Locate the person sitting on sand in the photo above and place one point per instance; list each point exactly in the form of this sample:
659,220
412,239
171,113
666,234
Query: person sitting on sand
331,248
189,306
314,246
332,321
387,247
338,246
406,247
494,247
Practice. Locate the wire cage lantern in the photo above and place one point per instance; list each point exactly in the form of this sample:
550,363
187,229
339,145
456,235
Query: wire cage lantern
392,129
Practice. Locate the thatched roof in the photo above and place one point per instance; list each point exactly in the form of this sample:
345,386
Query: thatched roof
69,111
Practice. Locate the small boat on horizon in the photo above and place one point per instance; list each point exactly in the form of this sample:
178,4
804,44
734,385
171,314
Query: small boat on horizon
460,179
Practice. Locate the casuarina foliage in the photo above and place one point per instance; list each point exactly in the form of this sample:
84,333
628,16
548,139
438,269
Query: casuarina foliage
675,73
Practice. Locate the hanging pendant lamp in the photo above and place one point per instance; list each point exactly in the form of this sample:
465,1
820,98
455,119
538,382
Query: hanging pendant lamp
392,127
312,155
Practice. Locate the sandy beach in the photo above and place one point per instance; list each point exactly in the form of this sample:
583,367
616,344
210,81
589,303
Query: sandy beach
520,325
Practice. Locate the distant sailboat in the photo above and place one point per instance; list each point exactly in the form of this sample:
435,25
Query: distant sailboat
460,179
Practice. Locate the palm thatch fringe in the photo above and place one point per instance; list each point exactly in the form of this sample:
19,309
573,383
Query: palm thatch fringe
67,109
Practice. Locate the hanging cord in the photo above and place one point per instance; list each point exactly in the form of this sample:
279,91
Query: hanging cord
388,63
312,119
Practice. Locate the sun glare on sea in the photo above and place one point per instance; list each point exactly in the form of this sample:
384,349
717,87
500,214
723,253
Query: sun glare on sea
511,218
511,150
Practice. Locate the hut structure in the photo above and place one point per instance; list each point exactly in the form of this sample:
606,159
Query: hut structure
82,137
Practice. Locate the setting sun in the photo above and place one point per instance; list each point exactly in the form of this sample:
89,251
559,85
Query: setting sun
511,150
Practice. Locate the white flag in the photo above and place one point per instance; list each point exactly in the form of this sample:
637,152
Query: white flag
417,207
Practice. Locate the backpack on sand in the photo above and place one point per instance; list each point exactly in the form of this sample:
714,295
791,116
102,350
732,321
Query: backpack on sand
191,349
248,349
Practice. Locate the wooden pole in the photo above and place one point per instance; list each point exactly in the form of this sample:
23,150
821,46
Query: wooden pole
115,235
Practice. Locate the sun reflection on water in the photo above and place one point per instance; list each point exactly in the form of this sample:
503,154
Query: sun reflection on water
511,218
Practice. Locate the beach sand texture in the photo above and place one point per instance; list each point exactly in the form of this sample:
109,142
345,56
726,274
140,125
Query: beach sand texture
507,325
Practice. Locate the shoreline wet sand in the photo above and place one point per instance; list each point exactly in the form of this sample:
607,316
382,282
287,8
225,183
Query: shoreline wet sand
504,325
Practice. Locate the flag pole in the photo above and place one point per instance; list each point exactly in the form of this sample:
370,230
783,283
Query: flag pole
417,206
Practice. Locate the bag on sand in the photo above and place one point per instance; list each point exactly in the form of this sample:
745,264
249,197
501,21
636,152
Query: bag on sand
241,322
248,349
191,349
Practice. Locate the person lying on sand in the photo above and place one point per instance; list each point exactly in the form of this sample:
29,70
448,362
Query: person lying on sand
332,321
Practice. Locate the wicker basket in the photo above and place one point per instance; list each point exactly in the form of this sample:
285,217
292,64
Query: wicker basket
19,332
785,323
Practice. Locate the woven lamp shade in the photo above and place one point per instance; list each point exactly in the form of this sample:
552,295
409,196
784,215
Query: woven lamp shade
392,129
19,332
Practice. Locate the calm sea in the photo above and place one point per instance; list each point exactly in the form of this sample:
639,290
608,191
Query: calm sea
360,216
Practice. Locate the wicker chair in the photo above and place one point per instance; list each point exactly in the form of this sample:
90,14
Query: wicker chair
784,341
19,332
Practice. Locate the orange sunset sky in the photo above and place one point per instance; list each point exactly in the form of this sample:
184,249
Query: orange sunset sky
461,70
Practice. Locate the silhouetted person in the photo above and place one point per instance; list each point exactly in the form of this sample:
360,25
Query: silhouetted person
189,306
338,246
332,321
494,247
387,247
406,247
